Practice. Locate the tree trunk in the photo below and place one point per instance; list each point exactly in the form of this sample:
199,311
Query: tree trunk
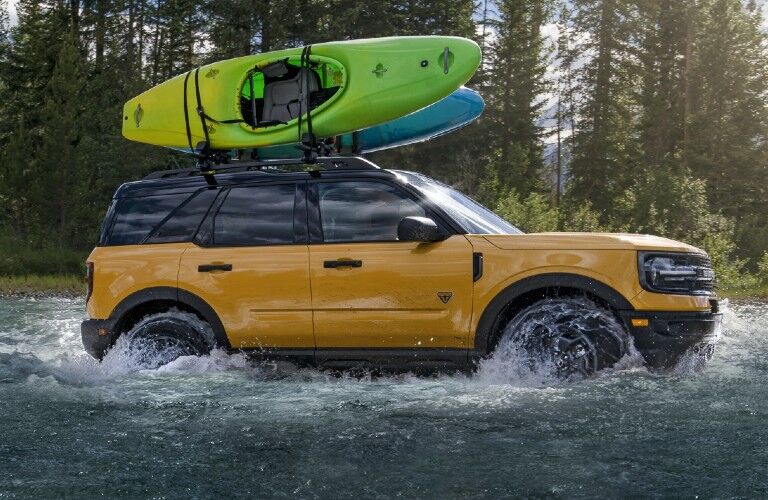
687,85
99,34
74,13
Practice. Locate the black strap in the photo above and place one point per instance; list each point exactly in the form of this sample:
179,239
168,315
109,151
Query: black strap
307,91
200,110
204,118
301,102
307,141
253,99
186,114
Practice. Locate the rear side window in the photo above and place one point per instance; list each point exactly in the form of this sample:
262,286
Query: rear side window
184,221
255,216
135,218
106,224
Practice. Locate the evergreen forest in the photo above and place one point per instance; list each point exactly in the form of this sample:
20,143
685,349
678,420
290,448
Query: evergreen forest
646,116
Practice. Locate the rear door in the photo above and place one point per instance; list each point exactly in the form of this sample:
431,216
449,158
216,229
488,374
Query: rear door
370,290
251,265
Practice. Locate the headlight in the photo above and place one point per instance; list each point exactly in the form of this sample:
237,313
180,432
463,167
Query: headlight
681,273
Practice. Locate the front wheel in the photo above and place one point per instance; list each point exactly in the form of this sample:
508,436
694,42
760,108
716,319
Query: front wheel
160,338
566,336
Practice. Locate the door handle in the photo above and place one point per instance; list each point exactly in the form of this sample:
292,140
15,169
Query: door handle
207,268
335,264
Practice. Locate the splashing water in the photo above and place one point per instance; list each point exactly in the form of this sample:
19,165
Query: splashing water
528,351
138,352
223,425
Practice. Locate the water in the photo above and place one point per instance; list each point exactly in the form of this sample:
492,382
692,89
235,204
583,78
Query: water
222,426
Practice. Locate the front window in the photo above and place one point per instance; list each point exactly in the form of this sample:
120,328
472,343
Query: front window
363,210
469,214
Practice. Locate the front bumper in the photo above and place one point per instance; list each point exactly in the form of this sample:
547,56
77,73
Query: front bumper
97,336
670,335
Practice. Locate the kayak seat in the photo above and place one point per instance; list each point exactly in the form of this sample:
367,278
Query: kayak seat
281,97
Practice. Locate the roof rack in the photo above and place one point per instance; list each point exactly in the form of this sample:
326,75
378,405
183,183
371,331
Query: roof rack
271,166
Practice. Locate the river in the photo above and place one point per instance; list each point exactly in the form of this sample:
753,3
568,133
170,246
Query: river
224,426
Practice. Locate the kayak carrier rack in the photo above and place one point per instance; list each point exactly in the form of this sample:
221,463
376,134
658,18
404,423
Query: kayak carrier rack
324,163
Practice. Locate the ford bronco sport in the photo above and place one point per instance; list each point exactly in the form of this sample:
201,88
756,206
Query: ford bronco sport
343,264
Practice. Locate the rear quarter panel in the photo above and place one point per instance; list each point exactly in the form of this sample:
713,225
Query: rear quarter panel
120,271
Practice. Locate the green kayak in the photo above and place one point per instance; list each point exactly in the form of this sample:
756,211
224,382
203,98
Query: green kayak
260,100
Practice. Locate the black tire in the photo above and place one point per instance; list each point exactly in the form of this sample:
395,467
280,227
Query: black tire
573,337
160,338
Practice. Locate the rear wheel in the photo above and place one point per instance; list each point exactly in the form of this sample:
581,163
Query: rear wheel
567,336
160,338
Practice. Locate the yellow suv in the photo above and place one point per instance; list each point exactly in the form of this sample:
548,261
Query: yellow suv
343,264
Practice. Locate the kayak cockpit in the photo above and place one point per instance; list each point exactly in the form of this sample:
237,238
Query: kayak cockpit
270,94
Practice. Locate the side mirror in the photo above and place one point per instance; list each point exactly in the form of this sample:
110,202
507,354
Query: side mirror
420,229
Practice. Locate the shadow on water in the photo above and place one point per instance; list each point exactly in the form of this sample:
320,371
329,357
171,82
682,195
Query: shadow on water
226,425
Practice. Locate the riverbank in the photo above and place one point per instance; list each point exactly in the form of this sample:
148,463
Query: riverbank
71,285
760,292
46,285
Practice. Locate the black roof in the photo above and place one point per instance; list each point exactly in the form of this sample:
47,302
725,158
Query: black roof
240,172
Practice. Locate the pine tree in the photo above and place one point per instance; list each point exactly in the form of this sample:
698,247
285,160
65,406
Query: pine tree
17,173
58,189
5,35
236,27
565,112
662,56
36,42
5,49
729,115
605,152
517,66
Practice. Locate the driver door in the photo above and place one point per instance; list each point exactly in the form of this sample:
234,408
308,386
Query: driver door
370,290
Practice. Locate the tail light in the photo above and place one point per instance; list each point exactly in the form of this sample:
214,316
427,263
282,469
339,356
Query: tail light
88,280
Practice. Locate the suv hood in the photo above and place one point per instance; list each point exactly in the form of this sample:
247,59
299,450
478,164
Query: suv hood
587,241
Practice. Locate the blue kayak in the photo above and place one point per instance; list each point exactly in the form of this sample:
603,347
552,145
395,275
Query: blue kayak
447,115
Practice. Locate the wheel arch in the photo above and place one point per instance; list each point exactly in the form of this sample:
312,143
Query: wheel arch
529,290
157,299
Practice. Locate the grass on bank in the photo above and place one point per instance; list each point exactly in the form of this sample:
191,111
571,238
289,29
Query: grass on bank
19,260
46,284
40,271
758,292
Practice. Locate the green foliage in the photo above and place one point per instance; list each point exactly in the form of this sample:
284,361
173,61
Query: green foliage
533,214
665,202
536,214
581,217
762,268
729,268
18,259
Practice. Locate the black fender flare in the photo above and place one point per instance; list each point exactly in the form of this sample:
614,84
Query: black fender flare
488,324
176,295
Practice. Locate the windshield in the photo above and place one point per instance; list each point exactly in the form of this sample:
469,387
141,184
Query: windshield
469,214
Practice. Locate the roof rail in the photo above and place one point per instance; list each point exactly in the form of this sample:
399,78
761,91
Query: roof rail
323,162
